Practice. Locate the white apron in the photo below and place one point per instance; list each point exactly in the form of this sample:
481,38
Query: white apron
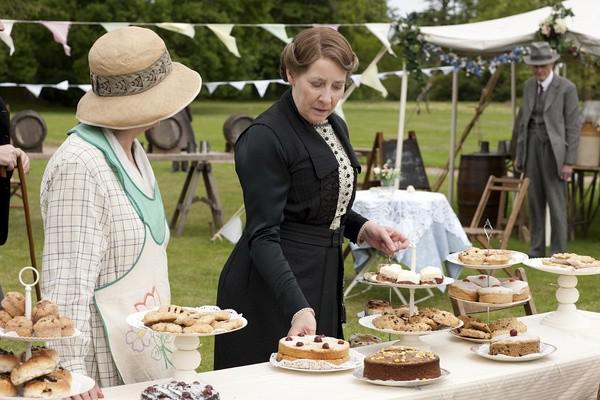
139,355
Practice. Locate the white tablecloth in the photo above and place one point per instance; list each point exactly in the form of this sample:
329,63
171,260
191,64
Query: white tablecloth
570,373
426,217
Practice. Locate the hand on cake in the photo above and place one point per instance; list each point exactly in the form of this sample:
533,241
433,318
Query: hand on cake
383,238
94,394
304,323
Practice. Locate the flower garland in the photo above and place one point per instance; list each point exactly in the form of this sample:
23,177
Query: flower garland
554,28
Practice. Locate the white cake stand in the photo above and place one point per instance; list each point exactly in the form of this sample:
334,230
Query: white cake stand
186,357
566,315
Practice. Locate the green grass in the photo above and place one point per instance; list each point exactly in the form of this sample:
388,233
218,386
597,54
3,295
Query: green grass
195,261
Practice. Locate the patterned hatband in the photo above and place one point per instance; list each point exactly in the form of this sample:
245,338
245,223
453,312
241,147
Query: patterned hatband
133,83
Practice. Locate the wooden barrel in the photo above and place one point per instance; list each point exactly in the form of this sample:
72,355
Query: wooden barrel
165,136
475,170
28,130
233,128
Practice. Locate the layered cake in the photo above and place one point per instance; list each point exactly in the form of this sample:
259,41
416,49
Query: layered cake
483,280
520,288
495,294
313,347
395,274
180,391
515,345
464,290
431,275
399,363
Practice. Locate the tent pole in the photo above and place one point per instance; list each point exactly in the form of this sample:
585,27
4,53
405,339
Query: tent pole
513,91
401,120
453,134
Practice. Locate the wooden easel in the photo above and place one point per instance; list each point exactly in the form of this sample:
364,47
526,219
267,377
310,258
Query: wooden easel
25,198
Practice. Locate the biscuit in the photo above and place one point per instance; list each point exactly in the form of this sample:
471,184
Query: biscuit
473,333
155,317
222,315
228,325
445,318
198,328
167,327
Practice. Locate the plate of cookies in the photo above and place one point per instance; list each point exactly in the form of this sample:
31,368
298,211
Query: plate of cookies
566,264
476,330
188,321
429,320
487,258
46,323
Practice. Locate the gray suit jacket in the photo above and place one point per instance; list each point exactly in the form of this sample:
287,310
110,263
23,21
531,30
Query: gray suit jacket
561,116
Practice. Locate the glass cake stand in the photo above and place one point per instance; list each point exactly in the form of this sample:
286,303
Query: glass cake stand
566,315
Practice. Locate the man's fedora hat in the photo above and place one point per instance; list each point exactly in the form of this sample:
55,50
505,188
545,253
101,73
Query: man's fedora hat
540,53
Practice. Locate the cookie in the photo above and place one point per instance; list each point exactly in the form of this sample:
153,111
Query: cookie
473,333
198,328
228,325
222,315
445,318
167,327
155,317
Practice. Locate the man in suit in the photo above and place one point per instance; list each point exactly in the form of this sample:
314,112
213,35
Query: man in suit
547,146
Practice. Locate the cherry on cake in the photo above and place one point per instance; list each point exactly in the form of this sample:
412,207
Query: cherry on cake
399,363
515,345
313,347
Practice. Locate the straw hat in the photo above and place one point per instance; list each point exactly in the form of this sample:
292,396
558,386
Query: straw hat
540,53
134,82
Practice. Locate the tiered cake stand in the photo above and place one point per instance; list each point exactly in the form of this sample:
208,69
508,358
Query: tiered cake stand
186,357
80,383
566,315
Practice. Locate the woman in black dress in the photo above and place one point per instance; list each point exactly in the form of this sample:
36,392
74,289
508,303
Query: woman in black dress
298,175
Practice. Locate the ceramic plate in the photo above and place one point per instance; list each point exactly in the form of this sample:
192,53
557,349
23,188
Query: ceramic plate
370,278
516,258
358,374
538,263
492,305
80,384
13,336
468,339
355,361
367,322
483,350
136,320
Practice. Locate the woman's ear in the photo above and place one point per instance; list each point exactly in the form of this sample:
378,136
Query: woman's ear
290,77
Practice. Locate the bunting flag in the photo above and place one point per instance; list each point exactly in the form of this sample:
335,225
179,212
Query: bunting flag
85,88
370,78
212,86
277,30
356,79
339,111
261,87
239,85
60,31
111,26
184,29
381,31
335,27
34,89
232,229
5,36
64,85
223,32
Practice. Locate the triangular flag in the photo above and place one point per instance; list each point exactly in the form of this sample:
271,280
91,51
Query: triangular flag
212,86
5,36
85,88
370,78
261,87
281,82
381,32
184,29
277,30
356,79
34,89
399,74
332,26
339,111
223,32
111,26
60,31
239,85
8,84
232,230
64,85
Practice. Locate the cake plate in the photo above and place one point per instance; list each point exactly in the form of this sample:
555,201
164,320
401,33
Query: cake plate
516,257
566,315
186,357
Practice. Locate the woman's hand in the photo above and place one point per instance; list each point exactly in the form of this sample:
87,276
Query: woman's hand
383,238
9,155
304,322
94,394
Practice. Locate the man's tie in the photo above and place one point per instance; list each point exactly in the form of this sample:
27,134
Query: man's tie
540,89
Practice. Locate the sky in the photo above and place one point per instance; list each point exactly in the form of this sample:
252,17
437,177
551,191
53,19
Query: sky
407,6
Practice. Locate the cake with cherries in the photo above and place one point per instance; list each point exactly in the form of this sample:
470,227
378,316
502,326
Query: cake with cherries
515,345
399,363
313,347
180,391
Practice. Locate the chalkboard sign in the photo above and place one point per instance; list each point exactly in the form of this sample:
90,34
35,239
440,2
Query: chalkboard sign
412,171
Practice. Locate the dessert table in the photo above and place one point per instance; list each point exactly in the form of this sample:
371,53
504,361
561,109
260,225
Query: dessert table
572,372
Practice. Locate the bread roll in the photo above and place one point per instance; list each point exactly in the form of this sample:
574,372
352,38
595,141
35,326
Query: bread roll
14,304
8,361
7,389
35,367
61,373
46,387
44,308
44,351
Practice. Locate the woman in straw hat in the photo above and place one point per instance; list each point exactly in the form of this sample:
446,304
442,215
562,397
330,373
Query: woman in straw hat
298,173
104,222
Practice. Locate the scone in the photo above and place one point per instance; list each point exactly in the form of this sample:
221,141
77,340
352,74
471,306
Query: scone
44,308
66,327
48,327
4,318
21,325
14,304
8,360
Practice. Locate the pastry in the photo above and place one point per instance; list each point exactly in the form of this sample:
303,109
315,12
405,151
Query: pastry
389,272
66,327
44,308
408,277
36,366
398,363
198,328
21,325
167,327
520,288
431,275
495,294
473,333
4,318
359,339
48,327
7,389
472,256
180,390
155,317
313,347
47,386
464,290
515,345
483,280
377,307
14,304
503,326
8,360
446,319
